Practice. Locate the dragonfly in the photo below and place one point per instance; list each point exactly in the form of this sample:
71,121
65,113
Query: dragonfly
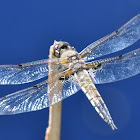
74,71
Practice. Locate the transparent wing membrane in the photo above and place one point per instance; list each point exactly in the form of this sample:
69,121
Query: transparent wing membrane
29,99
118,40
115,69
70,86
70,73
36,97
26,72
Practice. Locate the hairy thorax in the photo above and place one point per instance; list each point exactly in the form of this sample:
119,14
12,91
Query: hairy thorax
75,62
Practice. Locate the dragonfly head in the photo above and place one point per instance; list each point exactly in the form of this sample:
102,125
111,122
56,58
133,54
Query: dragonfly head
60,47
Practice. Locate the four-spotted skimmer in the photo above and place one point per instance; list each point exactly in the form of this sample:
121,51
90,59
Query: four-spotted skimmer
71,69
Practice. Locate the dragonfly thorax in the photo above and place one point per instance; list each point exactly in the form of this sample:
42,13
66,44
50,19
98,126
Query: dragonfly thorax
75,61
71,55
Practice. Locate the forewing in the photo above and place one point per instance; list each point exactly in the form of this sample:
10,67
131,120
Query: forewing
36,97
115,69
26,72
118,40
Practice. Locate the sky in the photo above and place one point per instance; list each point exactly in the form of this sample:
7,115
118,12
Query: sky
27,30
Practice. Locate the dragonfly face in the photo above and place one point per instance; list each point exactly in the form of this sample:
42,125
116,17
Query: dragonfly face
75,73
63,50
60,47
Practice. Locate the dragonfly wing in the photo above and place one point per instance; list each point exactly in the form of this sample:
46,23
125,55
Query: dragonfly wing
115,69
36,97
26,100
70,86
26,72
118,40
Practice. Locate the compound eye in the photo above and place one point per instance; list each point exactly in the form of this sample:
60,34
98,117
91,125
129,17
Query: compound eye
64,46
56,51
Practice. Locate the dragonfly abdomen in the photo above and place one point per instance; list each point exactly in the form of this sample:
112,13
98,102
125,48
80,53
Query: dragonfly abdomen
94,97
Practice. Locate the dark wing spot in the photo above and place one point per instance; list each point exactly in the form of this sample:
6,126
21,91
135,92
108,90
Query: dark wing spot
99,65
20,65
116,32
120,56
36,86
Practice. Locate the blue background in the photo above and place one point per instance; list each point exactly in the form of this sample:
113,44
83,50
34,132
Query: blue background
29,27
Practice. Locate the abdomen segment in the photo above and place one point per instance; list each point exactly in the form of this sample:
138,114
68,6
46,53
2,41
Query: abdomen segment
94,97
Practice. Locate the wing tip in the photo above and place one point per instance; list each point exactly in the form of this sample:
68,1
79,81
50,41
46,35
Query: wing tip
113,126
